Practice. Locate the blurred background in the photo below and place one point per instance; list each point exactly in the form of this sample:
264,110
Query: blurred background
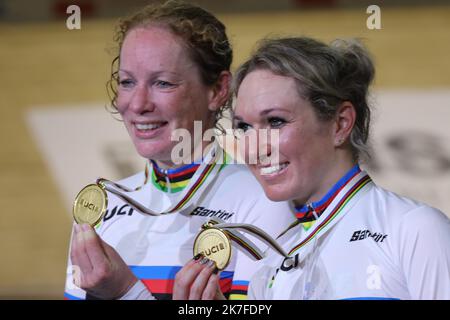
56,136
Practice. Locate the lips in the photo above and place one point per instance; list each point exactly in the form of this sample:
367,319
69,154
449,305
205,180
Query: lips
149,126
273,169
146,130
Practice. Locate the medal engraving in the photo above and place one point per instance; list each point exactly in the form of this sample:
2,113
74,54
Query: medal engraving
90,205
215,245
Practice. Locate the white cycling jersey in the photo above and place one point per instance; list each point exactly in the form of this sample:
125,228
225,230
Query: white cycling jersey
156,247
368,243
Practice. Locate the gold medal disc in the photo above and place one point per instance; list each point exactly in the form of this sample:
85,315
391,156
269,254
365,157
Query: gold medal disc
214,244
90,205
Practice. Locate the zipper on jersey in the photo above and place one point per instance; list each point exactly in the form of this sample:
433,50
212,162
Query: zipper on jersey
313,210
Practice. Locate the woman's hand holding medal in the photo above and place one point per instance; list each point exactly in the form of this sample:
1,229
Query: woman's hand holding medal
198,279
101,271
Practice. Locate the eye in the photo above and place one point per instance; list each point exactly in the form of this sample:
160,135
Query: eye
242,127
164,84
276,122
126,83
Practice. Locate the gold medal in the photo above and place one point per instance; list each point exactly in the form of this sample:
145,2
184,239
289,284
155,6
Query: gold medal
214,241
90,205
215,245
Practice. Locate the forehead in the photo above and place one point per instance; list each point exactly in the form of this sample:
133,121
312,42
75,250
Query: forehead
262,88
154,46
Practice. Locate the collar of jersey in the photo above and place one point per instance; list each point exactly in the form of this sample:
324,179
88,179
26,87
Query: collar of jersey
175,180
172,180
305,213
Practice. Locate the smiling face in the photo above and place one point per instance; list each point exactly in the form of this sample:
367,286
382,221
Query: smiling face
306,150
160,90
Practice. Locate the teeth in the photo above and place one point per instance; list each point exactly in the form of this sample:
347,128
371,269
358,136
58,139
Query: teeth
140,126
272,169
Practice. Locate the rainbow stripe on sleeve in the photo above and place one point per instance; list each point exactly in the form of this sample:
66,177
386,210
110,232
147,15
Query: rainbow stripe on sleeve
239,289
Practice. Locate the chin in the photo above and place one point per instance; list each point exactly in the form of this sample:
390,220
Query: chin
275,193
148,152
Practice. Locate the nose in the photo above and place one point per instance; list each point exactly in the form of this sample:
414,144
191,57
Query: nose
259,146
141,100
264,147
268,147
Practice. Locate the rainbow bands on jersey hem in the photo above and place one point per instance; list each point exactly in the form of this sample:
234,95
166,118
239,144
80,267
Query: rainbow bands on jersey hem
345,199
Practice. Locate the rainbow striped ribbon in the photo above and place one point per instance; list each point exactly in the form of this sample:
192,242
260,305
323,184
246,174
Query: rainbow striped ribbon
202,178
243,241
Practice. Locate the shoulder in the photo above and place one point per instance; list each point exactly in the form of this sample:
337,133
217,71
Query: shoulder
409,217
403,206
384,203
385,200
425,223
419,238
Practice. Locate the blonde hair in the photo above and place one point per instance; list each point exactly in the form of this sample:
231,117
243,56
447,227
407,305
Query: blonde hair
326,76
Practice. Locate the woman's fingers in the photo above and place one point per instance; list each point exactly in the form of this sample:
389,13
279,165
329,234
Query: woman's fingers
185,277
76,273
94,250
212,287
79,256
88,254
201,280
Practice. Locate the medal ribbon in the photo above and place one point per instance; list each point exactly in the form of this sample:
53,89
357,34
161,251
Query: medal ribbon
335,208
244,242
200,181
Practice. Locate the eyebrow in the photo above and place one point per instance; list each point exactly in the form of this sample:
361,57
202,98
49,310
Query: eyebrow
263,112
125,71
154,74
267,111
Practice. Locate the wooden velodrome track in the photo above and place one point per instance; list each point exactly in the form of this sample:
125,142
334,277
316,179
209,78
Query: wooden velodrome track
46,64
